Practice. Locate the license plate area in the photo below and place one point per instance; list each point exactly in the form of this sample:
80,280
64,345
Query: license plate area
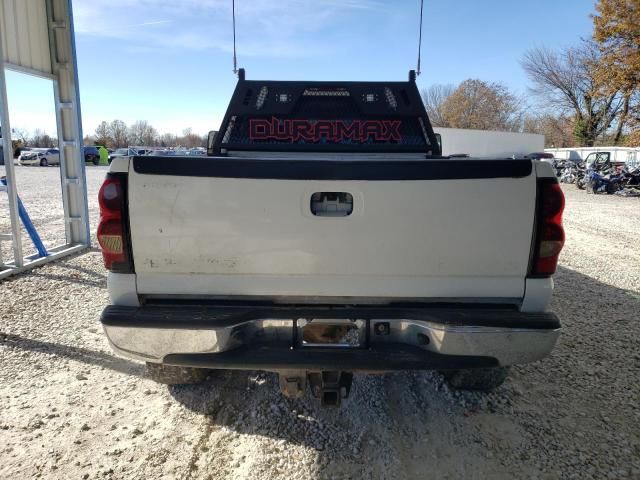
331,333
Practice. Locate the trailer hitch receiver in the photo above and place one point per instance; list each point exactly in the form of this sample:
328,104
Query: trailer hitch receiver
331,387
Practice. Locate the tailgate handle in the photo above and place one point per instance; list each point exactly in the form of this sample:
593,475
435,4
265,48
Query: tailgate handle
331,204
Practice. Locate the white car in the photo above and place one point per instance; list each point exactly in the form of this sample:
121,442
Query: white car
123,152
40,156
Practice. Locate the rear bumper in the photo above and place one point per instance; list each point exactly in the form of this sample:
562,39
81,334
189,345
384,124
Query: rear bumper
269,338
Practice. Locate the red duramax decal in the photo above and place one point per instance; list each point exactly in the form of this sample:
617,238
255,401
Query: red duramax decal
335,131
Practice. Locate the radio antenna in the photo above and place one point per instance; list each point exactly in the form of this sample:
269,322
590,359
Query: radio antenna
419,37
233,14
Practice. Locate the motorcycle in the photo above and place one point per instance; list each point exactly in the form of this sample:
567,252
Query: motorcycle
601,177
630,178
603,180
569,172
596,182
558,166
581,181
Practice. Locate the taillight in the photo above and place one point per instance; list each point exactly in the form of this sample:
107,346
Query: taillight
113,232
549,236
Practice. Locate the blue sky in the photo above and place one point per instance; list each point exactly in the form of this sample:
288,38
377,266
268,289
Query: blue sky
169,61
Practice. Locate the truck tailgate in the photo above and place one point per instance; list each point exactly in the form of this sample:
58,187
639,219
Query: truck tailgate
422,229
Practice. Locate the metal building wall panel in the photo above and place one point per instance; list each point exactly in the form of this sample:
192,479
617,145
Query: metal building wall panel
8,31
37,38
39,35
25,35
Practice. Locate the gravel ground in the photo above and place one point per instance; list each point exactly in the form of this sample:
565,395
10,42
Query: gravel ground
70,409
40,192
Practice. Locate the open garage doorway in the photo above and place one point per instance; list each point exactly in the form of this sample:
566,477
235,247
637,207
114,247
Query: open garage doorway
37,39
36,163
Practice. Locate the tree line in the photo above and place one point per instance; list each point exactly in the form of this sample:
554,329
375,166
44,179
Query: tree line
583,95
37,139
116,134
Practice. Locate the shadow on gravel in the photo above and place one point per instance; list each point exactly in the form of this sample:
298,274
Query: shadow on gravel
391,426
101,277
90,357
76,273
250,403
71,278
385,410
74,277
577,295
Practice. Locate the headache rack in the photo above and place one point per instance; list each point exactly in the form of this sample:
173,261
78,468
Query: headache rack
299,116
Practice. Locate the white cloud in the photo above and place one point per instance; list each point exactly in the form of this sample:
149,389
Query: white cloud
144,24
264,27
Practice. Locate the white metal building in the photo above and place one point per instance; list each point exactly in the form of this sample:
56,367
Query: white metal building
37,38
483,143
628,155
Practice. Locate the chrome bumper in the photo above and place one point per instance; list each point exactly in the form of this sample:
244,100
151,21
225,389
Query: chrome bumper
153,334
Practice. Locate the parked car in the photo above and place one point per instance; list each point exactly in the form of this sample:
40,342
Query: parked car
162,153
544,156
19,150
316,263
40,156
122,152
91,154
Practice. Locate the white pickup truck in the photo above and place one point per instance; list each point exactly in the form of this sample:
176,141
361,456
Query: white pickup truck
324,234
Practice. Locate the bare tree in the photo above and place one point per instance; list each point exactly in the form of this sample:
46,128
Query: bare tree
168,140
484,106
116,134
150,136
434,98
142,133
21,135
557,129
119,133
103,134
41,139
189,139
633,137
623,116
568,82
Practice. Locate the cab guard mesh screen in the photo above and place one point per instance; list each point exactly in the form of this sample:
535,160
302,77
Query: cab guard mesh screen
326,117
